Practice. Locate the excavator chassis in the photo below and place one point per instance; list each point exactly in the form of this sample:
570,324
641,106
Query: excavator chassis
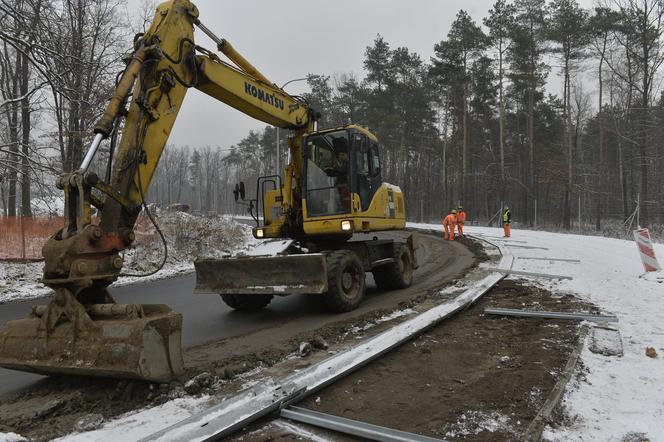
116,340
290,273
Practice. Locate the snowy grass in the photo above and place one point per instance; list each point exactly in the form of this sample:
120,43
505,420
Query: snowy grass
138,424
188,237
618,396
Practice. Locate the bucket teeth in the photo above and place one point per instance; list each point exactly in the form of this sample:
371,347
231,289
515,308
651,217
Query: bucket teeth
117,340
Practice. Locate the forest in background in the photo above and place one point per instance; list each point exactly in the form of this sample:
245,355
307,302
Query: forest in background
477,124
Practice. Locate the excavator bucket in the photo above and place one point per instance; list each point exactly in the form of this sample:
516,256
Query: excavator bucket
130,341
276,275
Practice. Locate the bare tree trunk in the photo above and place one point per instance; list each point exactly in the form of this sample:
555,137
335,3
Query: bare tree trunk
445,153
401,162
501,124
26,210
466,146
12,120
566,149
570,150
531,115
3,198
600,147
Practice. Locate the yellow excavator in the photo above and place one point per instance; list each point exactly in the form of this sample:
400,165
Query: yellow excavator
327,208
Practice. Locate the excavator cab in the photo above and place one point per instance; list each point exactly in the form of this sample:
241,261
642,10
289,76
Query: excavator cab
327,173
342,172
340,181
343,191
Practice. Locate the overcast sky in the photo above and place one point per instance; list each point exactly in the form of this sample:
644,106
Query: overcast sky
290,38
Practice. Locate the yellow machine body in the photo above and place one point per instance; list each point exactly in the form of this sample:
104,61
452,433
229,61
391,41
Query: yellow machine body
83,330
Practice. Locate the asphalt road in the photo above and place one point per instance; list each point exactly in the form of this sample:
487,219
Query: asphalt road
205,317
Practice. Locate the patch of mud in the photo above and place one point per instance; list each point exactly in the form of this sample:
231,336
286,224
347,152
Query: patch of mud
474,377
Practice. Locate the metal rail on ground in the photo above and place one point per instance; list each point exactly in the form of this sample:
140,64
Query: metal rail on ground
249,405
352,427
533,274
576,261
517,246
550,315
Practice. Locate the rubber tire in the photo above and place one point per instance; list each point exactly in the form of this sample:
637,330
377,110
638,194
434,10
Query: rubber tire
338,298
247,303
398,274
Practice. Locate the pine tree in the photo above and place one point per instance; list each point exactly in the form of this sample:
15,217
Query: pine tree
465,43
500,23
568,28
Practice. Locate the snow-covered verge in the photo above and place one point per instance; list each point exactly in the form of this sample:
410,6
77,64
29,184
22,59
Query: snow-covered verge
188,237
618,398
135,425
12,437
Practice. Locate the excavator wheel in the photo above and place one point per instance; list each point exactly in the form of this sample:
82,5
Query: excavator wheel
247,303
345,281
397,274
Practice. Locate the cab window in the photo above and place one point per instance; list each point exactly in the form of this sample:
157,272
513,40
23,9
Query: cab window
327,170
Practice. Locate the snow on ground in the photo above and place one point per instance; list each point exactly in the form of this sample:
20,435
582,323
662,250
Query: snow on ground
619,396
11,437
187,236
137,425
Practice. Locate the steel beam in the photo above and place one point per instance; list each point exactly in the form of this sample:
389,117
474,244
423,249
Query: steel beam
550,315
549,259
525,247
536,275
352,427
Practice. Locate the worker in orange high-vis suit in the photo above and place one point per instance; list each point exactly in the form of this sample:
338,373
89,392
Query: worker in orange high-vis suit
449,224
507,219
461,219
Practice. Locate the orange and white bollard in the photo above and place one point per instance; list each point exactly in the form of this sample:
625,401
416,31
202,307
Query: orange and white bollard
646,250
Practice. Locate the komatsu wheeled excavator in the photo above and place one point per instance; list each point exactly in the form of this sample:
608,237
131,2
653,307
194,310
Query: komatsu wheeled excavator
329,210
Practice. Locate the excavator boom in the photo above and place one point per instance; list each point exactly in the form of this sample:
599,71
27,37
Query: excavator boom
83,330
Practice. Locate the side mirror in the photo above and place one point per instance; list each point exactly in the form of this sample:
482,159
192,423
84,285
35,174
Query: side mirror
239,192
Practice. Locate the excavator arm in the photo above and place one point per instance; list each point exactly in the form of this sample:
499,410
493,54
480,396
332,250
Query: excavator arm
83,330
165,64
